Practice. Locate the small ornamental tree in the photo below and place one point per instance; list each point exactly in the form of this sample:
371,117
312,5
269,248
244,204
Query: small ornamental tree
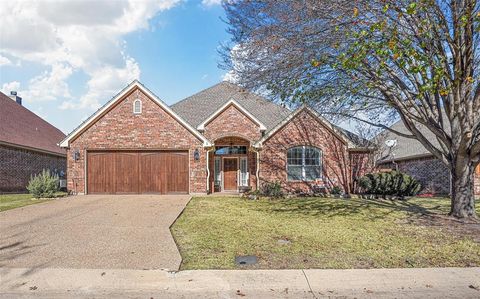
374,61
43,185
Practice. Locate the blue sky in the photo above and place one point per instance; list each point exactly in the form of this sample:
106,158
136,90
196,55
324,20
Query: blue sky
66,60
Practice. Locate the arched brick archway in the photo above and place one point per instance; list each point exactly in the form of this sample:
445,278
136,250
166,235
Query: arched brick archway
232,165
232,140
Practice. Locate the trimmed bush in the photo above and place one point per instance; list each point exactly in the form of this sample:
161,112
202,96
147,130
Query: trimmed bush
43,185
273,190
391,183
336,190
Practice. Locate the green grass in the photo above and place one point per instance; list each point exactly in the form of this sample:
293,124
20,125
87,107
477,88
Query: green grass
324,233
12,201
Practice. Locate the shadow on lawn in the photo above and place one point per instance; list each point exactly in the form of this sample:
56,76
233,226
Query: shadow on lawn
368,208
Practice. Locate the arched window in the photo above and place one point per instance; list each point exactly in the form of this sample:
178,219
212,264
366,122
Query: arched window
304,163
137,106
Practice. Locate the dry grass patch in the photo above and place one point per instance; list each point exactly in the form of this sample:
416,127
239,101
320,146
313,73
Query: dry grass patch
12,201
323,233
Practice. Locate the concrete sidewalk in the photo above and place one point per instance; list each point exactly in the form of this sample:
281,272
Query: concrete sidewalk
375,283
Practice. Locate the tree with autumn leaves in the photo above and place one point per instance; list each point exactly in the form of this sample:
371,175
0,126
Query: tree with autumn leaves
373,61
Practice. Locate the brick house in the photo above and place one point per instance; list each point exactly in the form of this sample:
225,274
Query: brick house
411,157
222,139
28,144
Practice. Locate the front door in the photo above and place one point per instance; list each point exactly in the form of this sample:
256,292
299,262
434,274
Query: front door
230,169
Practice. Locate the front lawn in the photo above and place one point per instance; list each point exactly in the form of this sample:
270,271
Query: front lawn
322,233
12,201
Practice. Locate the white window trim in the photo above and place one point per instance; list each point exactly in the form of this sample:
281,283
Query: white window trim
215,173
246,172
304,174
134,106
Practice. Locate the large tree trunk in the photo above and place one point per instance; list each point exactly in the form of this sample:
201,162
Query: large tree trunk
463,196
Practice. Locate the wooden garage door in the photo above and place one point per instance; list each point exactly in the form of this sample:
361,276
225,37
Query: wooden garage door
123,172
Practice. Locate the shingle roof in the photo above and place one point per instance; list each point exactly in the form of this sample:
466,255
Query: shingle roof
406,148
20,126
198,107
356,140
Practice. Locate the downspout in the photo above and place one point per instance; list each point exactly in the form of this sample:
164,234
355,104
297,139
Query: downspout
257,173
208,169
258,170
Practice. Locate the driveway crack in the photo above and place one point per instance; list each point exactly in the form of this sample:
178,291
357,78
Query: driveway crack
308,283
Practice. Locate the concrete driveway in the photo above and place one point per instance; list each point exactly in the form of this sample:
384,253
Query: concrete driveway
101,232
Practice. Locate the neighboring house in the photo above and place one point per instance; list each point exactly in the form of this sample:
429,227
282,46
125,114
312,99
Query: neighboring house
28,144
222,139
410,156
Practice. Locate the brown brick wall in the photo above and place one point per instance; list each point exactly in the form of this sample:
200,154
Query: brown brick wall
430,172
18,165
305,129
232,122
361,163
119,128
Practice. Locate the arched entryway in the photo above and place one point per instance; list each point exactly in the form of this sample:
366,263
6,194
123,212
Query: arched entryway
232,165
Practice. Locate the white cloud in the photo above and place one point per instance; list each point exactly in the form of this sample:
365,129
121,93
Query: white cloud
103,84
230,77
75,35
237,53
50,85
4,61
211,2
10,86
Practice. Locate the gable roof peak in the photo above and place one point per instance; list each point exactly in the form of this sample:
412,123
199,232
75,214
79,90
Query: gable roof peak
340,133
198,107
120,96
231,102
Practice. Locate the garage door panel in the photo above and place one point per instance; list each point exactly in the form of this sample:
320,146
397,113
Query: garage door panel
126,172
146,185
152,179
137,172
177,162
102,171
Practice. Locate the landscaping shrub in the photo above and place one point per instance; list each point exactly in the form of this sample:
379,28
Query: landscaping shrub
43,185
391,183
273,190
336,190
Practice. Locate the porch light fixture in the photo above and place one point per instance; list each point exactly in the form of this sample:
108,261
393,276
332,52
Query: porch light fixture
76,155
196,155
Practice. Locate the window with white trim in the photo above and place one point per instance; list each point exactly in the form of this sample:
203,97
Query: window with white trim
137,106
304,163
243,171
217,171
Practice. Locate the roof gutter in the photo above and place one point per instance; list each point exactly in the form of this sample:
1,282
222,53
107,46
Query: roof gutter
33,149
413,157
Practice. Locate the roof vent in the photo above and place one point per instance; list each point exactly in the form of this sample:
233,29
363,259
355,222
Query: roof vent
13,96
